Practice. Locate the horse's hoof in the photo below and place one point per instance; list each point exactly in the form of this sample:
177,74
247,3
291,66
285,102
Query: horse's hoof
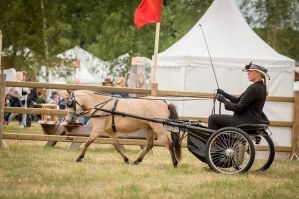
136,162
175,165
126,160
79,159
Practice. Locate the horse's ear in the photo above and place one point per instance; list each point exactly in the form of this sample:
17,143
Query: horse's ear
65,94
69,92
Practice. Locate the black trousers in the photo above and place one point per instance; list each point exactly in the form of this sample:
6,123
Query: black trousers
217,121
13,102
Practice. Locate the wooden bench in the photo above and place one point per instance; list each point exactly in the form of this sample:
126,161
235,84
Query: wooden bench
49,117
50,123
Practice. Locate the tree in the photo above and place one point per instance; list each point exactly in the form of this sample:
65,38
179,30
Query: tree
277,22
26,25
36,31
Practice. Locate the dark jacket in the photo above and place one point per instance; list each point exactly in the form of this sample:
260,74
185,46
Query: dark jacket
249,106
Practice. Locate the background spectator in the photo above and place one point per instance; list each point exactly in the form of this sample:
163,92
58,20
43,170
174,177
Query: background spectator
107,82
16,96
121,82
54,98
61,100
41,97
31,102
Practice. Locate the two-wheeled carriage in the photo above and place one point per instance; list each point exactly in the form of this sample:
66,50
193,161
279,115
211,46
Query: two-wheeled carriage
229,150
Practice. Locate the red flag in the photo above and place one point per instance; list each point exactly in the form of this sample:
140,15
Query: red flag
149,11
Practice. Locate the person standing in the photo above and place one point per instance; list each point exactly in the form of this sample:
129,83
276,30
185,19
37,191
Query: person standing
24,99
14,98
17,97
121,83
31,102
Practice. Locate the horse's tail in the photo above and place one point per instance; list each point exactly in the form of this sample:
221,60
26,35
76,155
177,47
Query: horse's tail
175,136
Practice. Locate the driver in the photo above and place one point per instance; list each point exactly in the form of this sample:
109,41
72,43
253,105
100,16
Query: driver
248,107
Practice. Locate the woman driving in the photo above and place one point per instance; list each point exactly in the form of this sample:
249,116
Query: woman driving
248,107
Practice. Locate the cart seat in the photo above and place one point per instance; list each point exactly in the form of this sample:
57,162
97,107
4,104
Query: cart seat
252,127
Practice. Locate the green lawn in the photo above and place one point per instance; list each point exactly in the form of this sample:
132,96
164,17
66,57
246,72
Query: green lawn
28,170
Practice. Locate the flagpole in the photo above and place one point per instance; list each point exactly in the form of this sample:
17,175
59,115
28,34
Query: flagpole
154,84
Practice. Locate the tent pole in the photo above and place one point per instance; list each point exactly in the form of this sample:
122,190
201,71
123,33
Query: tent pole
154,84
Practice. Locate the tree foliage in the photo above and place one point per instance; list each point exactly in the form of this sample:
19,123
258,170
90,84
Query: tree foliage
277,22
21,23
34,35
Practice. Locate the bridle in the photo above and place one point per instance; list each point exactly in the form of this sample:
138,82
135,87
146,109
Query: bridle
71,103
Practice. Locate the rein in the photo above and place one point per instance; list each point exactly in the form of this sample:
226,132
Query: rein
156,98
102,104
72,102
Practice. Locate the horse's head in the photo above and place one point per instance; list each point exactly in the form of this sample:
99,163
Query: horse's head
75,107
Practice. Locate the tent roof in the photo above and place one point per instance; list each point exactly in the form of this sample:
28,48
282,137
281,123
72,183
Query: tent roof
92,69
228,37
83,56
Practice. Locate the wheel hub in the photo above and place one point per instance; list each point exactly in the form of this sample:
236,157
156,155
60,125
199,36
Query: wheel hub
229,152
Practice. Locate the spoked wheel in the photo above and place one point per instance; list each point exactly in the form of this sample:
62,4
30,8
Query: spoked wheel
230,151
265,152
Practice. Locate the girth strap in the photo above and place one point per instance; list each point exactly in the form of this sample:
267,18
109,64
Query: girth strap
112,113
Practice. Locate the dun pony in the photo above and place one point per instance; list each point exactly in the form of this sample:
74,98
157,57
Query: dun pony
87,102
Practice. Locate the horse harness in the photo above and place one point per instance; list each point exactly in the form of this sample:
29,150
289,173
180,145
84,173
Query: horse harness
112,112
72,102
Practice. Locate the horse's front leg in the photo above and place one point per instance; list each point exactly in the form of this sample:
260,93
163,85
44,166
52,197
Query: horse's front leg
149,145
117,146
94,134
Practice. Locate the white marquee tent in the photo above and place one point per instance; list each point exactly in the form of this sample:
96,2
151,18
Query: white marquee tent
90,68
185,66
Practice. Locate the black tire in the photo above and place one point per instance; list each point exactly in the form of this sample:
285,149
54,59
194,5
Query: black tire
230,150
269,152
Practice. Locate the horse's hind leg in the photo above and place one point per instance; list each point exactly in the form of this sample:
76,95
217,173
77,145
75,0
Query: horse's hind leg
164,136
149,145
169,145
117,146
92,137
173,158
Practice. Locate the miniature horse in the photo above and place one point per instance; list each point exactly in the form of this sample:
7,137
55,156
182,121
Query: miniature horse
83,102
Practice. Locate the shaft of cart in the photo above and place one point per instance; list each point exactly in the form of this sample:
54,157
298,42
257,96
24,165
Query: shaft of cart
180,125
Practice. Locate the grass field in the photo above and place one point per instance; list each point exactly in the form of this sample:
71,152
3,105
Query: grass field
29,170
